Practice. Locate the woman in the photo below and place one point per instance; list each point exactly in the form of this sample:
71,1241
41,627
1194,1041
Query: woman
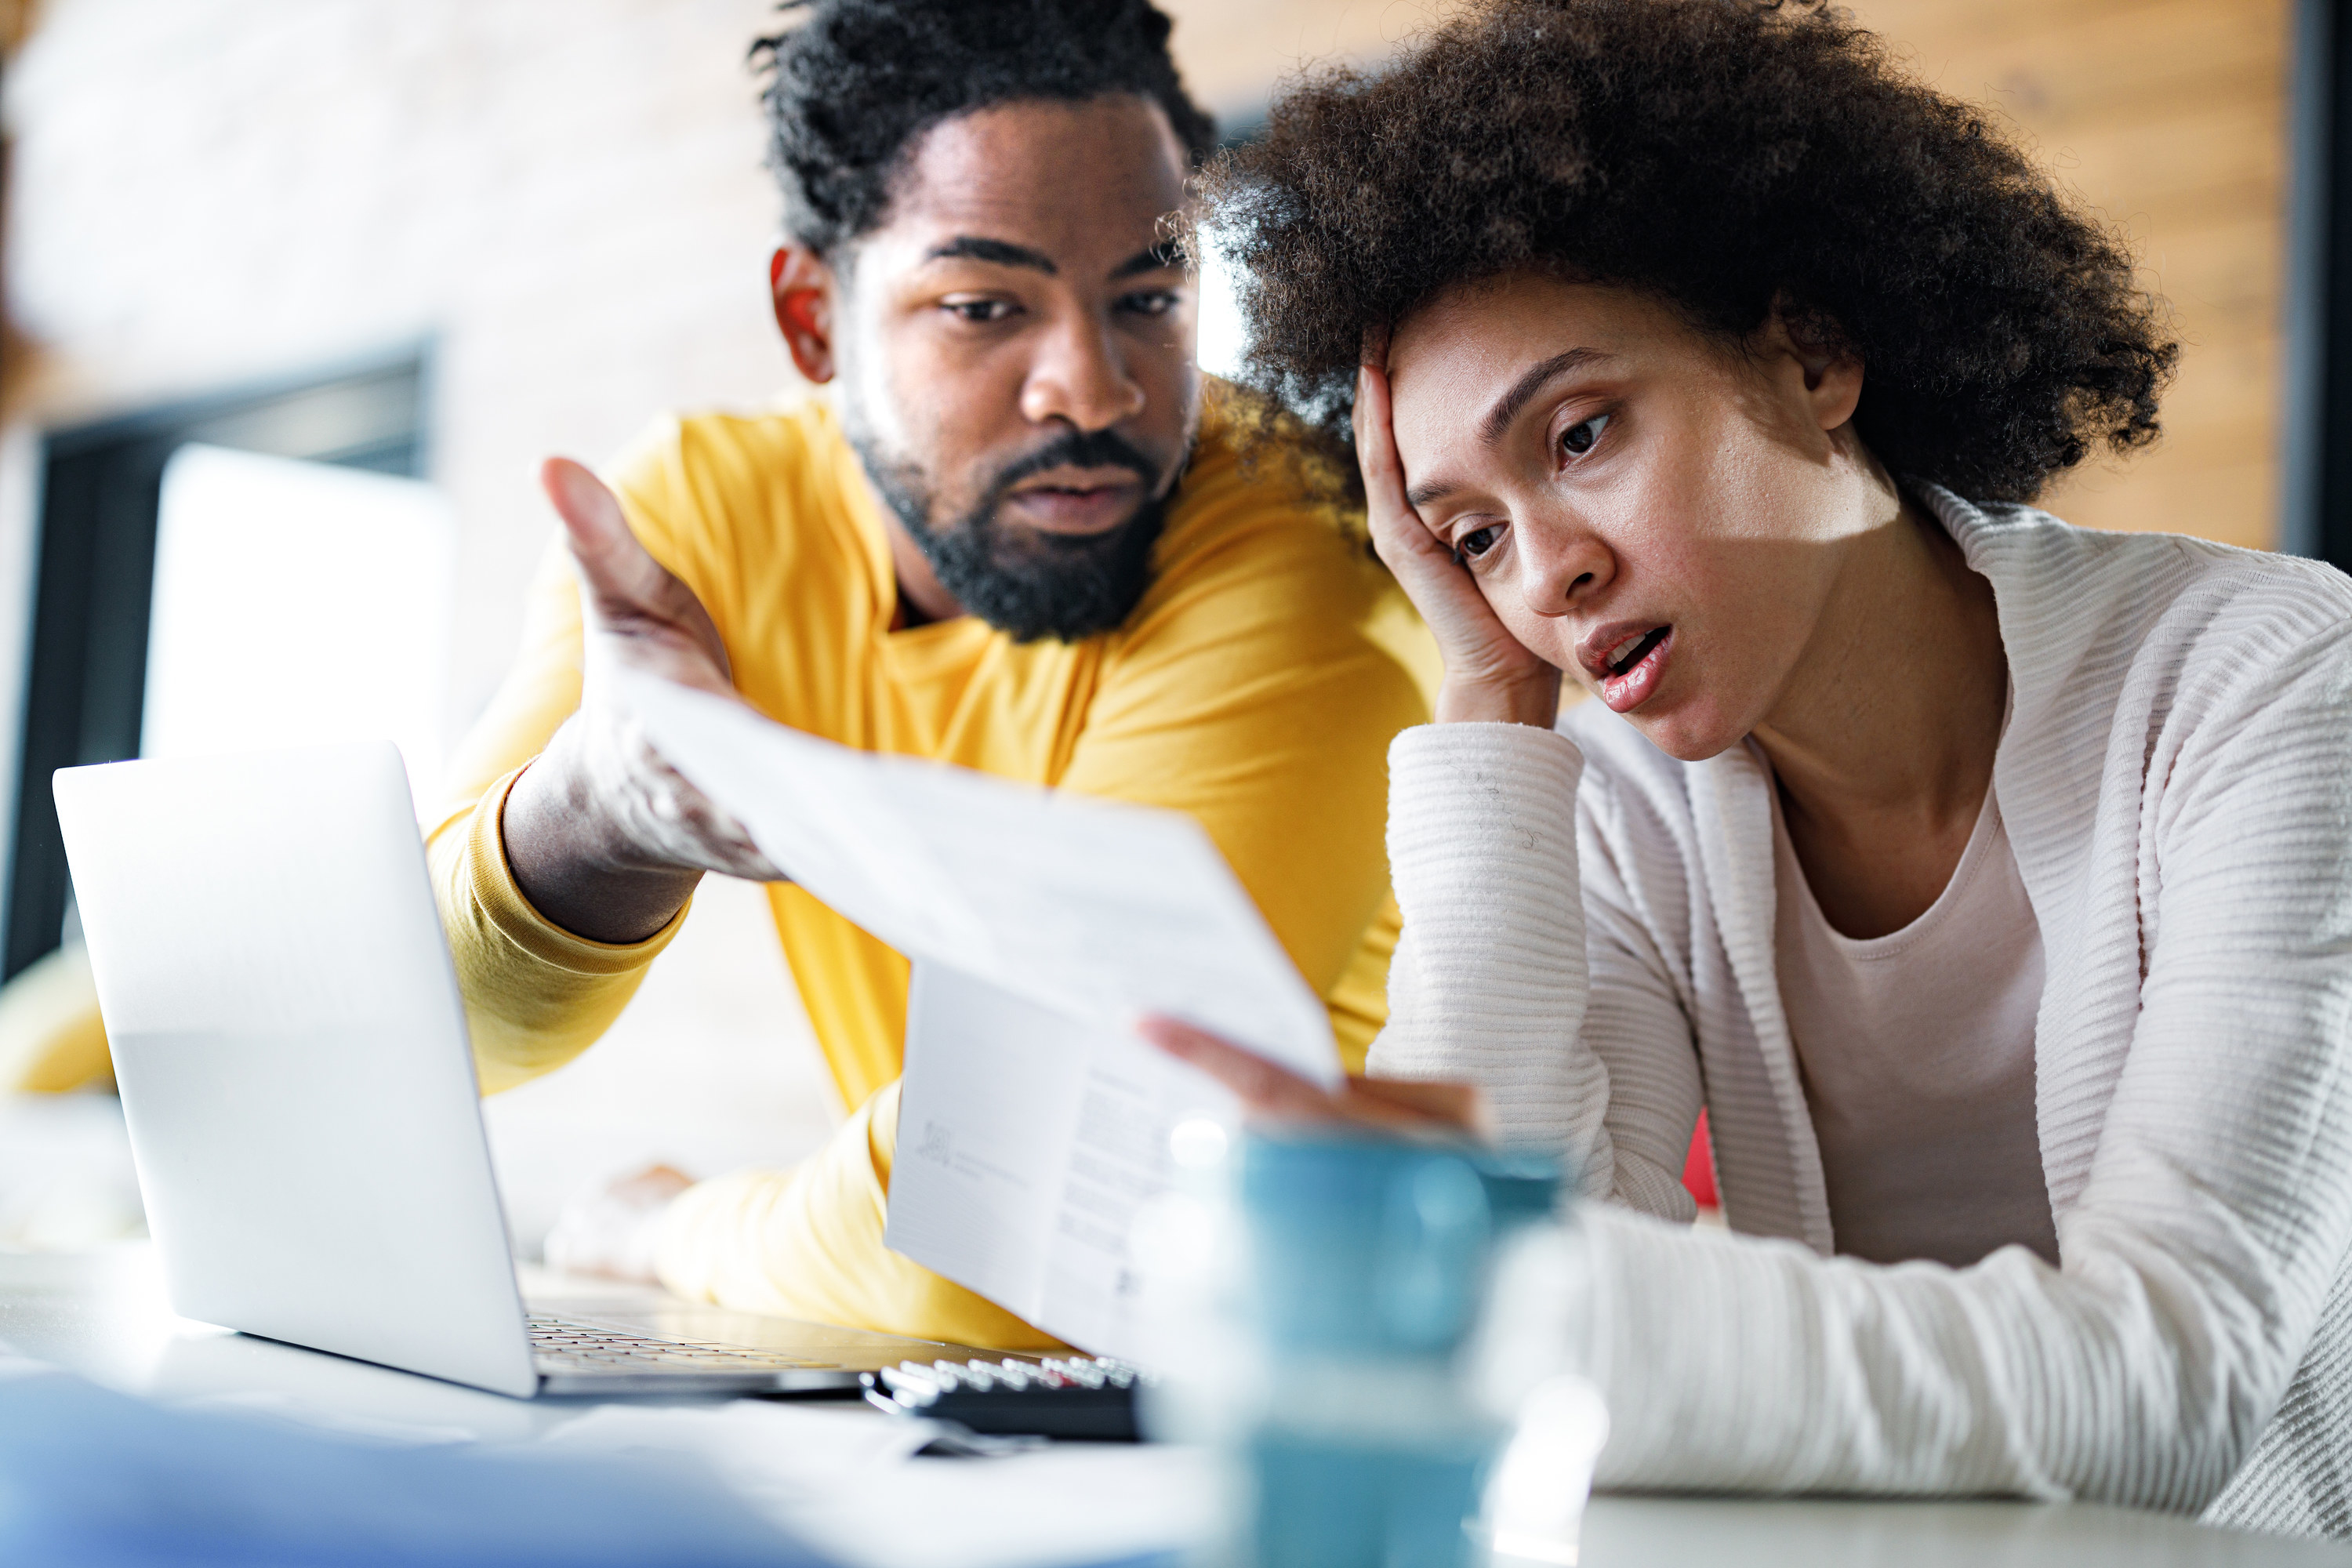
1987,881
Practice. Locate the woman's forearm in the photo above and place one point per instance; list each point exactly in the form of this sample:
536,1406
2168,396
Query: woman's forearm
1489,983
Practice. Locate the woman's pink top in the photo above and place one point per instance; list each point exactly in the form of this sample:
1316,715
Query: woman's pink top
1917,1054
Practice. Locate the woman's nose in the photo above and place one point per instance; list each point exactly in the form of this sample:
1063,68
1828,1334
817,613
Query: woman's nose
1562,566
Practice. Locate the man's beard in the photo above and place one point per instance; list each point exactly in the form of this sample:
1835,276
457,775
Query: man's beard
1029,583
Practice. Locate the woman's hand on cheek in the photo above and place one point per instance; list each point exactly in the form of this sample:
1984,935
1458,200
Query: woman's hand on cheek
1490,675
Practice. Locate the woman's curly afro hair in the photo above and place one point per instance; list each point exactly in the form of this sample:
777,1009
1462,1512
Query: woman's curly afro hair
852,86
1725,155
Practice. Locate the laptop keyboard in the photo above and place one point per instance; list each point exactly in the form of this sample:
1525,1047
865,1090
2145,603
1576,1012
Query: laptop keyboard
562,1345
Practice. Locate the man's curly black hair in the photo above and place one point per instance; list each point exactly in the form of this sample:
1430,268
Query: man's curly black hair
1722,155
856,82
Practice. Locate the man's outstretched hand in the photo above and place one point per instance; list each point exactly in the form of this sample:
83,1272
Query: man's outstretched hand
605,839
636,613
1447,1111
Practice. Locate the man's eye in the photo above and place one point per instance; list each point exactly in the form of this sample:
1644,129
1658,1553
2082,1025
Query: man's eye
1578,438
1478,541
979,313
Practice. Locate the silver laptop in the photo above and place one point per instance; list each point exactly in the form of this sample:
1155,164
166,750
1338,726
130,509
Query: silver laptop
300,1095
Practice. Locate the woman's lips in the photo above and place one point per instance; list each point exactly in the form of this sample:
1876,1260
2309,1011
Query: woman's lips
1631,681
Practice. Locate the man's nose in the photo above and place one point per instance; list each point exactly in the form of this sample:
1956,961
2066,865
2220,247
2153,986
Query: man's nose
1080,376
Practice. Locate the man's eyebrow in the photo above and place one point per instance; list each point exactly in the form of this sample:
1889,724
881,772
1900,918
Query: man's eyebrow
1523,391
1003,253
1159,258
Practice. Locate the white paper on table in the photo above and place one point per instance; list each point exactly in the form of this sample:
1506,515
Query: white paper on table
1096,909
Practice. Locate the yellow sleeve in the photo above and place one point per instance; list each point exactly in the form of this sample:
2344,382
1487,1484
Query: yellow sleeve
807,1243
1359,1002
52,1038
536,995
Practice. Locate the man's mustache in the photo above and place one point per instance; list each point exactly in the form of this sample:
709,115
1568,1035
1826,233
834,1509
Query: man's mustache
1076,449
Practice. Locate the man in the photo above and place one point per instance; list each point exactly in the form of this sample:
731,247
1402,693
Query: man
1016,541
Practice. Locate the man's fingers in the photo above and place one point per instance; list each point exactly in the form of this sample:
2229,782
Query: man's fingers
626,589
592,514
615,564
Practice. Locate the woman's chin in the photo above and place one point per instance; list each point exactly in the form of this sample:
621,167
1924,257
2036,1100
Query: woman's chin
1686,731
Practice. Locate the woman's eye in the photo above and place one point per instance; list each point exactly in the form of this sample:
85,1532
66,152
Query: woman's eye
1151,302
979,313
1578,438
1478,541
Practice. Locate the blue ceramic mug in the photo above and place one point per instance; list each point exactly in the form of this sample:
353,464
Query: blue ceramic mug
1367,1268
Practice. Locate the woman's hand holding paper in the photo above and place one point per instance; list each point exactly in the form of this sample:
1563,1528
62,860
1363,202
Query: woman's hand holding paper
1444,1112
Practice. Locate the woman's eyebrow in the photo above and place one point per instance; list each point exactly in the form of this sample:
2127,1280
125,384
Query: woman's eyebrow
1497,423
1422,495
1498,418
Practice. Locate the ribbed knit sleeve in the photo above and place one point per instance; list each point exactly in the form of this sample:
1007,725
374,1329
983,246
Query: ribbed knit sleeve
1520,970
1741,1363
1487,985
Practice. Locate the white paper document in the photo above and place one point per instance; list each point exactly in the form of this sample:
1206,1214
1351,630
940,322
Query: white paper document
1033,1122
1027,1142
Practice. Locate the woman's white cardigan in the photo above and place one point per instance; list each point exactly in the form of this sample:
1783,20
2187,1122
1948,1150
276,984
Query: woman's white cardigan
2177,782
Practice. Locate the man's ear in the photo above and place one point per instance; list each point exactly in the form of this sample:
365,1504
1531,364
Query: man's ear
800,285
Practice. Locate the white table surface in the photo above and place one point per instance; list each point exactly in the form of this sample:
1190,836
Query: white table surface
103,1314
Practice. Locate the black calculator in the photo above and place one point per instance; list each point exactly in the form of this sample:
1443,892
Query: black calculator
1086,1397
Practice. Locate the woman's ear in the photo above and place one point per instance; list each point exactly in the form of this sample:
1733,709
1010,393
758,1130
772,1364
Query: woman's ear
1832,373
801,285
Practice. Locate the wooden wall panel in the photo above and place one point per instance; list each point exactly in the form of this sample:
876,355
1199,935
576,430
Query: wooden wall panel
1232,52
2169,117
